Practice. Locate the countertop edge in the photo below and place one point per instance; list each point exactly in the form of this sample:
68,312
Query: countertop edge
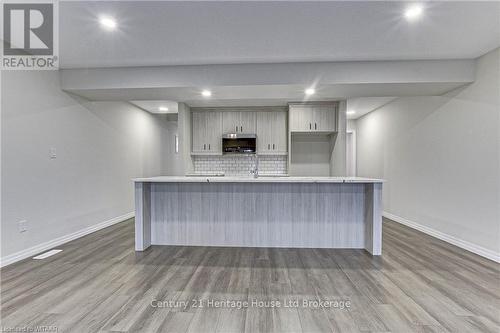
333,180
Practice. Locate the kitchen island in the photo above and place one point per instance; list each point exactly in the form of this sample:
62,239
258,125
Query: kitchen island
300,212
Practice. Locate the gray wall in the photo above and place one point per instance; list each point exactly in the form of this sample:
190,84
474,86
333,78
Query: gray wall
338,158
185,136
440,157
174,161
100,147
311,155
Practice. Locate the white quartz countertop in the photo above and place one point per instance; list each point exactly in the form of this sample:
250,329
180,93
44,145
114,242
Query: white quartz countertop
260,179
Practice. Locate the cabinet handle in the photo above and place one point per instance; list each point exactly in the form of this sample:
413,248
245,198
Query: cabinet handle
315,127
241,129
204,146
236,128
310,126
268,146
209,146
273,146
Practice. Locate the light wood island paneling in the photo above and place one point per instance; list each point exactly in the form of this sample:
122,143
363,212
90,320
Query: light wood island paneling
283,212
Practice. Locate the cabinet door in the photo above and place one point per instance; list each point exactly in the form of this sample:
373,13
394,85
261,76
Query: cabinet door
264,130
231,122
213,132
198,135
247,122
301,118
324,118
279,132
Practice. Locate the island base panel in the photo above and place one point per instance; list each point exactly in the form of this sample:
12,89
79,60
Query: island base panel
301,215
142,216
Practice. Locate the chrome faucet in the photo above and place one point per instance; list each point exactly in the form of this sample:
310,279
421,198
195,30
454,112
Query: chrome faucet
255,169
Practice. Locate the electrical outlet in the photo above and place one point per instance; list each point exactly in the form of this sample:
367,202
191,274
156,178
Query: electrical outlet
52,153
23,226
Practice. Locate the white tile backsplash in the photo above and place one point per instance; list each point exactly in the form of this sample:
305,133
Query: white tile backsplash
240,165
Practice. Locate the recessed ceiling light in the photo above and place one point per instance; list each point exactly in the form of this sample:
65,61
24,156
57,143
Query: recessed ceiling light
350,112
162,108
206,93
413,12
108,22
310,91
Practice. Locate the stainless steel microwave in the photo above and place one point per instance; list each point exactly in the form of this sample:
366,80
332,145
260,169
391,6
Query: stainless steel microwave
237,143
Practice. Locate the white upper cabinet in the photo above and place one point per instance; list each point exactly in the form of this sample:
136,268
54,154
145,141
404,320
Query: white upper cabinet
271,133
264,132
301,118
230,122
312,118
324,117
247,122
238,122
207,133
208,126
214,132
198,132
280,133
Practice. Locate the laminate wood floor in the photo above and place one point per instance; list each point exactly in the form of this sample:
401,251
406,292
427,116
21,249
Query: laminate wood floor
99,283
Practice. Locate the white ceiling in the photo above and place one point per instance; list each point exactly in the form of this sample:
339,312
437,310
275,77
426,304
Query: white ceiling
262,95
161,33
172,33
358,107
157,106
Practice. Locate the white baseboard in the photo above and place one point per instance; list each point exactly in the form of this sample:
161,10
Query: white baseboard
15,257
474,248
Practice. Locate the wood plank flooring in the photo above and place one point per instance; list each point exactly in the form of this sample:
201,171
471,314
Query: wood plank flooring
99,283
